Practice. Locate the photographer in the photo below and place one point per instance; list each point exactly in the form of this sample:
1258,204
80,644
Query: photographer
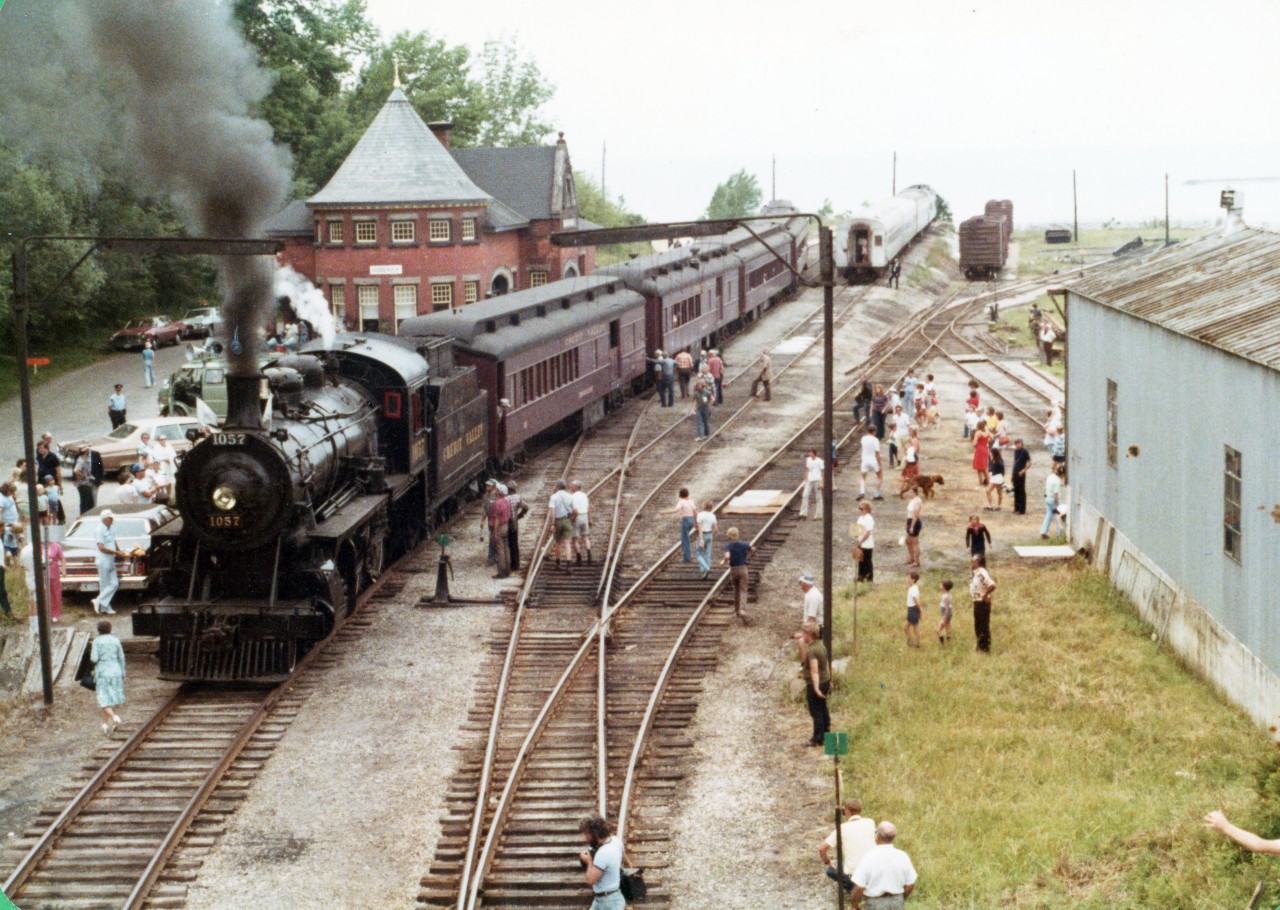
603,861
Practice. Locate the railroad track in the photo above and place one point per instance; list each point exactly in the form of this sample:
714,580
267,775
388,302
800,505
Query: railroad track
575,720
134,833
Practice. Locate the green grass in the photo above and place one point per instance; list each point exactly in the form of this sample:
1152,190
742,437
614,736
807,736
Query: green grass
62,360
1069,768
1035,257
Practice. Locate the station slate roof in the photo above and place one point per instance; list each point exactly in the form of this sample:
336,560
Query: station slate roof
522,178
294,218
1221,290
399,160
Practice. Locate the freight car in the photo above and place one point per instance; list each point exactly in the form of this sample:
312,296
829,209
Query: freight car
1057,235
546,355
868,243
1002,208
983,250
329,464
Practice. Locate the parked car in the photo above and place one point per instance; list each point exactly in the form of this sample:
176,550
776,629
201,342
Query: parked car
119,448
133,527
201,322
203,377
156,329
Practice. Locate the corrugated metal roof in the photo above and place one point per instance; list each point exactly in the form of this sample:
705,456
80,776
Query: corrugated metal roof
521,177
1221,290
399,160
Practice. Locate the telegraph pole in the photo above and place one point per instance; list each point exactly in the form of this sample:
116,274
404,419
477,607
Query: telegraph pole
1075,206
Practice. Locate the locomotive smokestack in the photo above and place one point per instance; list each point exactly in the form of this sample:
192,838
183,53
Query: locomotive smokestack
243,410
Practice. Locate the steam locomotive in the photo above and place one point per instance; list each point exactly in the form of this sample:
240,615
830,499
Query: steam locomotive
331,463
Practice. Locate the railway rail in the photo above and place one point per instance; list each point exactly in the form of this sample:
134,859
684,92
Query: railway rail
619,701
128,836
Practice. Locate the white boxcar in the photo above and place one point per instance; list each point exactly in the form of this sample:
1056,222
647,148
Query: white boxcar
876,235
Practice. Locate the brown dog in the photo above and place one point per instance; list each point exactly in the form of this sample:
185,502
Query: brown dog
924,483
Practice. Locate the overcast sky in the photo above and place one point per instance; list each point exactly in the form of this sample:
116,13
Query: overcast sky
980,99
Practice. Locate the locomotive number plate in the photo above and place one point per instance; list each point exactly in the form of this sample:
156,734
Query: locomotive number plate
227,439
224,521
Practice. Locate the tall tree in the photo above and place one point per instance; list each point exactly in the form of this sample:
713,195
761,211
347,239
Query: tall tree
512,90
737,197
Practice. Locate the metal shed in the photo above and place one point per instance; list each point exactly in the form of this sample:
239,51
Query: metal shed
1174,449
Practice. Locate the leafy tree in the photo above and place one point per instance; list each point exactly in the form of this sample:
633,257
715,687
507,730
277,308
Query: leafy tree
737,197
827,210
512,90
594,206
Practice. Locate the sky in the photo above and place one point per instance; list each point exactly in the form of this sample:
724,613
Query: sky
979,99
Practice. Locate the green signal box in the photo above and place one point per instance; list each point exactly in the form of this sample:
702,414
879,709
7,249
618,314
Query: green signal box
836,744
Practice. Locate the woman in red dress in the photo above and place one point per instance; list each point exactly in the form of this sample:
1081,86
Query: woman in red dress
981,452
53,558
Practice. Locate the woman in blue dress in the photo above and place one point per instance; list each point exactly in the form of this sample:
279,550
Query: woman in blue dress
108,659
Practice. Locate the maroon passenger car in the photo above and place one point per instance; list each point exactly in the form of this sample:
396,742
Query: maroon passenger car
564,351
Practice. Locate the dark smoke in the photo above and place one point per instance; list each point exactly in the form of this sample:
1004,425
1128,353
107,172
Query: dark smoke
176,78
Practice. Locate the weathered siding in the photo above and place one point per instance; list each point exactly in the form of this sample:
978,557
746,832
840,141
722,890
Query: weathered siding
1180,402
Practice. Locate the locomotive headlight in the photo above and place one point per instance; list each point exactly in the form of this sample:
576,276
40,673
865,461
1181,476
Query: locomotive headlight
224,498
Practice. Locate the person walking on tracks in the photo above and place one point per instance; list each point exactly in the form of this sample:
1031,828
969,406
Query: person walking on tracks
981,587
117,406
871,464
811,501
499,526
684,370
518,511
603,861
707,524
765,376
812,600
735,557
688,512
664,369
715,366
581,521
817,678
148,365
561,508
703,396
895,273
107,655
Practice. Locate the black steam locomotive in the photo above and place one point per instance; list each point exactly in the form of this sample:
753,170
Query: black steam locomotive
330,463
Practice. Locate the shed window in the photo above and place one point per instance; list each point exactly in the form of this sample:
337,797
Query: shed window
366,232
1231,496
470,291
406,298
441,295
335,231
440,230
403,232
1113,433
468,229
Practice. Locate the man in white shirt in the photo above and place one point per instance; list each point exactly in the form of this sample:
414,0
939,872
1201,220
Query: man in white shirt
581,523
901,431
812,600
857,837
871,463
159,481
809,501
129,493
884,878
165,453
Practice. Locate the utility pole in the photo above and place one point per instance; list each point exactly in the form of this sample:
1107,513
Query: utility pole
1075,206
604,150
827,265
1166,208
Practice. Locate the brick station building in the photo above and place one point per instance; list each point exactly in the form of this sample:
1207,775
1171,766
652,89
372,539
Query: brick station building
408,225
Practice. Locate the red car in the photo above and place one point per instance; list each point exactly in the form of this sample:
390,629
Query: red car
136,332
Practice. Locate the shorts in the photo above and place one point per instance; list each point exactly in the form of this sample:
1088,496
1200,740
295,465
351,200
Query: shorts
564,528
870,467
913,615
947,613
581,526
997,480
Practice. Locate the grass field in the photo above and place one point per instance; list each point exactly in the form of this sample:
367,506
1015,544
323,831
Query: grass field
1069,768
1035,257
62,361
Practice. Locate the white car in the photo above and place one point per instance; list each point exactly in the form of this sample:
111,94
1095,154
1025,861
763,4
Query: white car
133,527
201,322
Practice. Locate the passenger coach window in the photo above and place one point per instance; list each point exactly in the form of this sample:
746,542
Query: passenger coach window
615,333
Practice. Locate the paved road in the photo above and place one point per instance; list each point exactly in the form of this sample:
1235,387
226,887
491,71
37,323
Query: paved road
74,405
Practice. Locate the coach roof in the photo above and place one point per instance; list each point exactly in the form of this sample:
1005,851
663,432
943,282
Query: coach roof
503,326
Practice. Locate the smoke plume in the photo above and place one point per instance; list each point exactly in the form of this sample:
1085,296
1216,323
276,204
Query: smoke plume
307,301
176,81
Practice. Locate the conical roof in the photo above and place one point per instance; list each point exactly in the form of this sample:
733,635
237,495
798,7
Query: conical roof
399,160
